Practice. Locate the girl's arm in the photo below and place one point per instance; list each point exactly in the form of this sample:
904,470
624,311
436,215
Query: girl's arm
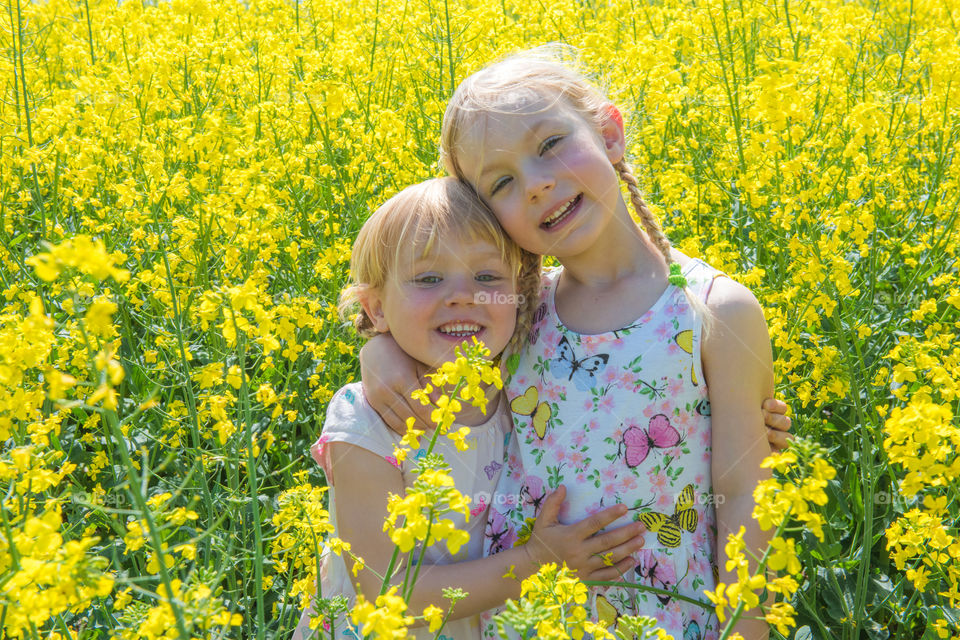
738,367
361,509
389,376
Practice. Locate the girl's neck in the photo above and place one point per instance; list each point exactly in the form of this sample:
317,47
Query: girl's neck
622,252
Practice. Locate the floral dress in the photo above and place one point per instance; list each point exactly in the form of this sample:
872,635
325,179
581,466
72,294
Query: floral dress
619,417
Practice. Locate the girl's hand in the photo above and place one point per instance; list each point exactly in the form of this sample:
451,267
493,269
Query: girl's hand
778,423
595,556
389,376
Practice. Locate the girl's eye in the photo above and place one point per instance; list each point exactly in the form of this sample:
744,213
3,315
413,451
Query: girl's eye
499,184
487,277
427,279
549,143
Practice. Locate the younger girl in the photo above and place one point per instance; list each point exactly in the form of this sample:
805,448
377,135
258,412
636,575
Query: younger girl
644,371
433,268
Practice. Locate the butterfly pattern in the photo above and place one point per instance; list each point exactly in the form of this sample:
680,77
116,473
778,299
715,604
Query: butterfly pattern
581,371
619,417
669,529
638,442
529,405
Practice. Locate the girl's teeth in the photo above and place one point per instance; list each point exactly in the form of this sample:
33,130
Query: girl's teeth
460,330
560,212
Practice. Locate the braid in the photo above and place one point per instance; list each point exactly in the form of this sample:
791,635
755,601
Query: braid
652,226
650,222
528,286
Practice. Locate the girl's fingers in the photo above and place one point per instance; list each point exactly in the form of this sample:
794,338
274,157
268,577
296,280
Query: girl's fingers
592,524
622,571
551,507
777,421
615,554
774,405
779,440
616,540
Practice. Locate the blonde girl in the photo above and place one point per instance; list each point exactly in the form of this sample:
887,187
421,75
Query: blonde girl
433,268
622,394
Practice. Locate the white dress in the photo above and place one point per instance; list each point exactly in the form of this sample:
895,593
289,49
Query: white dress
475,473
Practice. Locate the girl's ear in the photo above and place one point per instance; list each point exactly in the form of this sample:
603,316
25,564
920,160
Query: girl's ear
611,129
371,300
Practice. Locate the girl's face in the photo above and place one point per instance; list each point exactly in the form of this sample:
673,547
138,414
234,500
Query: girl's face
547,174
431,304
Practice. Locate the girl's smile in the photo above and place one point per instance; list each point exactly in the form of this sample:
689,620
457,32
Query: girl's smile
461,289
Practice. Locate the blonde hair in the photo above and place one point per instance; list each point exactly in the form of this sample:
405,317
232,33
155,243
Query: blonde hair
529,78
418,217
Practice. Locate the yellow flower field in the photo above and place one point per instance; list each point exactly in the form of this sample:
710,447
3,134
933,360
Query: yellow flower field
181,182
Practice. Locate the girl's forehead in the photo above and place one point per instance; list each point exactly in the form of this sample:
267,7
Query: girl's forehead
495,126
457,245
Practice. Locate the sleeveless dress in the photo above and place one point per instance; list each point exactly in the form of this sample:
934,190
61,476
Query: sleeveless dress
619,417
475,472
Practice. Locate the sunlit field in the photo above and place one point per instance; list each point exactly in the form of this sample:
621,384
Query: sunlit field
180,185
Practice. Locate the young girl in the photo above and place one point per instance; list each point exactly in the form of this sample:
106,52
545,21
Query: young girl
433,268
642,379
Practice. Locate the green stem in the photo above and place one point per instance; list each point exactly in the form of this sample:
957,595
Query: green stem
252,482
93,59
649,589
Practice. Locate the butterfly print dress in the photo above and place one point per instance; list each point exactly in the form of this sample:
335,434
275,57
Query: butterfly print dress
619,417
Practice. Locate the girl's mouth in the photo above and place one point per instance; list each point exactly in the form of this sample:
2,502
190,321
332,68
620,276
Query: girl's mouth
562,213
460,330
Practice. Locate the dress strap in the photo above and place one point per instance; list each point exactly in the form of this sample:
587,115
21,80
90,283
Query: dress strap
700,277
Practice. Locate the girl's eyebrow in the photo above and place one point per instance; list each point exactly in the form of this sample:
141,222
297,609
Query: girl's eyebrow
532,131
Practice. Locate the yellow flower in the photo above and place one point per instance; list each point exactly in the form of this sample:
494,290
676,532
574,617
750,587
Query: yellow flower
434,616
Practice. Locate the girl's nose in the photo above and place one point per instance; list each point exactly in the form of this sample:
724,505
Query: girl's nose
538,183
461,292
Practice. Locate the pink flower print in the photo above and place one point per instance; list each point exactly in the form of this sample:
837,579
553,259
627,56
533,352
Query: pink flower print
552,340
617,433
674,387
593,508
551,392
559,454
658,481
705,456
698,480
587,404
609,374
626,380
663,330
706,438
576,459
665,503
649,411
580,437
628,483
605,404
672,617
609,491
609,475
